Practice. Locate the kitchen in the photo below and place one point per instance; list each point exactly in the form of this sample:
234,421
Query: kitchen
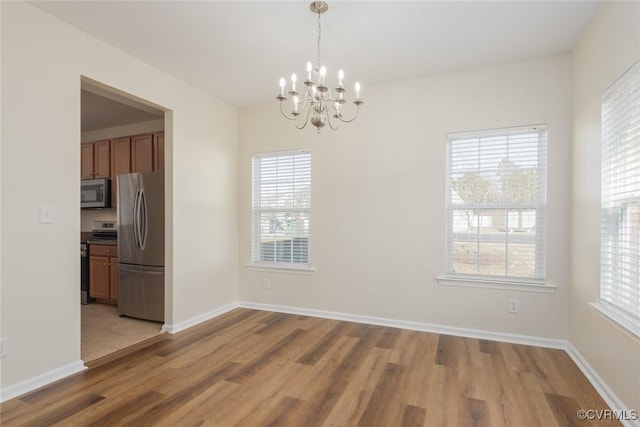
122,222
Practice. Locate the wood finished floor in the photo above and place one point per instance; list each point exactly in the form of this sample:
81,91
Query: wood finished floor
256,368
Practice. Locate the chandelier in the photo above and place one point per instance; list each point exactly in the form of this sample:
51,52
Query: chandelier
317,103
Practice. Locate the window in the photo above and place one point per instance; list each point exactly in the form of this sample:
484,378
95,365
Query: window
620,248
496,202
280,208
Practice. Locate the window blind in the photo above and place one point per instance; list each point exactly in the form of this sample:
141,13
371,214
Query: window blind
281,205
620,247
496,203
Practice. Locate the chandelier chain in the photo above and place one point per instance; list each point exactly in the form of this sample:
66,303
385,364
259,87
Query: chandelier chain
319,37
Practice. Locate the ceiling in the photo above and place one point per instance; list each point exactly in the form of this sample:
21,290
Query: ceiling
100,112
237,50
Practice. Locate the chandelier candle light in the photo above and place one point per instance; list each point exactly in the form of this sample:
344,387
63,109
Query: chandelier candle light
318,103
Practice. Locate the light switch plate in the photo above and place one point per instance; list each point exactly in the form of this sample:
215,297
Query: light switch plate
47,214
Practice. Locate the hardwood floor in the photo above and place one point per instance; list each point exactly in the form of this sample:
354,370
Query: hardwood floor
255,368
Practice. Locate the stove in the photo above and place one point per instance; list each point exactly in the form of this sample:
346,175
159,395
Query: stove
104,231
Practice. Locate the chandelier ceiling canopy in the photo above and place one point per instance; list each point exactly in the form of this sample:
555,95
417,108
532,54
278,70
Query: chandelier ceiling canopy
317,103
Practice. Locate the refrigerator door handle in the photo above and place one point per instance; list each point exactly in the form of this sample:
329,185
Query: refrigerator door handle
135,223
136,219
144,220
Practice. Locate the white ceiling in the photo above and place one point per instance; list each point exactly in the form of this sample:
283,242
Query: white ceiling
237,50
99,112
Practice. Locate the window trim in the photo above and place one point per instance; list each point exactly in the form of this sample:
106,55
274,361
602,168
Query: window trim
626,322
304,269
541,208
621,320
258,265
488,282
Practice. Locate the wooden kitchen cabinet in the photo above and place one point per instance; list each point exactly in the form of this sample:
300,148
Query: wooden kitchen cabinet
120,163
142,153
101,159
113,279
86,161
99,277
95,160
103,273
110,158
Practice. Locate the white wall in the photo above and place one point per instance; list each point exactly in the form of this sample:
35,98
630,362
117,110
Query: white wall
378,191
43,60
607,49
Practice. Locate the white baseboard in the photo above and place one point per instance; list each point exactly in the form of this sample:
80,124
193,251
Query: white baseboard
41,380
598,383
175,328
414,326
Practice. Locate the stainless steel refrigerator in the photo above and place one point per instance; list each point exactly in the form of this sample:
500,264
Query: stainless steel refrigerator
141,245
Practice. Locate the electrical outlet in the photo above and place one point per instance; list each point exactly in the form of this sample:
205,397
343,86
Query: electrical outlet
4,347
266,284
514,306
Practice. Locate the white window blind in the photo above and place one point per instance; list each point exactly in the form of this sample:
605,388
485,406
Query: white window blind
620,247
496,203
280,208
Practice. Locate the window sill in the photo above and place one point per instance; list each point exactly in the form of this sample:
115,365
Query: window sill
282,268
624,322
468,282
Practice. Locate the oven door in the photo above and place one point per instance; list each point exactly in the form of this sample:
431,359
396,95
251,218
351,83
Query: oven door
94,193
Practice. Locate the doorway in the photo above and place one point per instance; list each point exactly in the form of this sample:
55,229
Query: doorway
120,134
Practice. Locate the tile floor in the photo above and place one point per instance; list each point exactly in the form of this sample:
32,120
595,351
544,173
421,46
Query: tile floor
104,332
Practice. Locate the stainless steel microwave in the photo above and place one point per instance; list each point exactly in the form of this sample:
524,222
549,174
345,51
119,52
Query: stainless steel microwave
95,193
